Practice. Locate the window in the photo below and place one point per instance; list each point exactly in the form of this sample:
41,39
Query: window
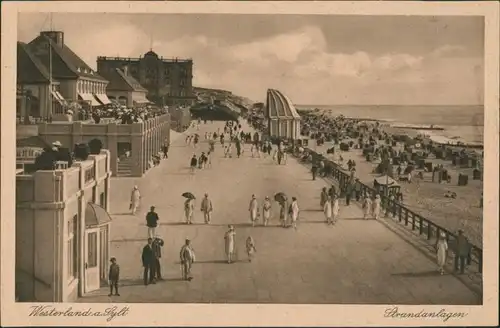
92,250
102,200
72,243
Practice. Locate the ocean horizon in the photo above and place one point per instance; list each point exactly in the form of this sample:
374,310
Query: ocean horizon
460,122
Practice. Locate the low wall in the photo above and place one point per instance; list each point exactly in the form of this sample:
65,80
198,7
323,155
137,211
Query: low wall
145,138
423,226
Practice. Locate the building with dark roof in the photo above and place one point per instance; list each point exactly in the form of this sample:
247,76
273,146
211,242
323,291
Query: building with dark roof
124,88
75,80
283,119
33,85
168,81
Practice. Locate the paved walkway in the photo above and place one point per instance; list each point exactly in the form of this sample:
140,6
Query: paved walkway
356,261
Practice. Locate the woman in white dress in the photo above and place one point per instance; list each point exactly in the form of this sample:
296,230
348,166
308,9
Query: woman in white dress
327,210
229,244
266,210
441,250
376,207
294,212
253,208
135,199
335,209
189,210
367,206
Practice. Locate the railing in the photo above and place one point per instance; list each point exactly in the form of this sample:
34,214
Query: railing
28,153
400,213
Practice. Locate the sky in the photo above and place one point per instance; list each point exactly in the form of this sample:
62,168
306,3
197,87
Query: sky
313,59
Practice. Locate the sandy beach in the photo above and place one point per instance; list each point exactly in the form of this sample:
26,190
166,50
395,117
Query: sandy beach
424,196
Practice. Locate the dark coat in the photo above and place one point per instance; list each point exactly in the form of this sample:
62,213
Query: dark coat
152,219
147,255
114,272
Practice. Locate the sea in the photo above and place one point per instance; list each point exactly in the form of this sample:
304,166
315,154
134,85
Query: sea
460,123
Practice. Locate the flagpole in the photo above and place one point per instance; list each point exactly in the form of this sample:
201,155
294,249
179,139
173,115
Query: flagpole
50,71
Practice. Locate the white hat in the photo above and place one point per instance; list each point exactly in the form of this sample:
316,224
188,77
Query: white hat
57,144
442,234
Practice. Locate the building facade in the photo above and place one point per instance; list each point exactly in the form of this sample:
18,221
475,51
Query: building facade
62,230
74,80
124,89
168,81
283,119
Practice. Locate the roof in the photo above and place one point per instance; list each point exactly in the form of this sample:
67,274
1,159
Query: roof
280,105
95,215
76,66
150,53
29,68
120,81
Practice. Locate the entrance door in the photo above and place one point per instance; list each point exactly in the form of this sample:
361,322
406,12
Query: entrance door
92,249
103,245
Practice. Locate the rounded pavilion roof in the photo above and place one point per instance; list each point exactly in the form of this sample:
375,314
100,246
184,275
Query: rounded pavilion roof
280,106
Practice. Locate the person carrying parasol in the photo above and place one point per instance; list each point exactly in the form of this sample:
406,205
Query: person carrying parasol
189,207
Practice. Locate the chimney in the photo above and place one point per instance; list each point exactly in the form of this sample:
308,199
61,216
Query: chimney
56,36
125,70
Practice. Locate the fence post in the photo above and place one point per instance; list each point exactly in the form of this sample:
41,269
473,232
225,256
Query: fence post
406,216
420,224
412,220
429,230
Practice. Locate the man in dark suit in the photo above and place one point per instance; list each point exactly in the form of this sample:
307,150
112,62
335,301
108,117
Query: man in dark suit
157,245
148,262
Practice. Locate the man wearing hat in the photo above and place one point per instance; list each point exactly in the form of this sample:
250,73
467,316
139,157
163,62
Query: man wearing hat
462,251
207,208
148,262
152,222
187,257
157,245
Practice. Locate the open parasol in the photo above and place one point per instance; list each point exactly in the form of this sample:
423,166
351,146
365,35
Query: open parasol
188,195
280,197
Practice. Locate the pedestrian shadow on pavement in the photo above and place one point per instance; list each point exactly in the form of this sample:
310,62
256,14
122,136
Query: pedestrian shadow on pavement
312,210
215,262
245,225
421,274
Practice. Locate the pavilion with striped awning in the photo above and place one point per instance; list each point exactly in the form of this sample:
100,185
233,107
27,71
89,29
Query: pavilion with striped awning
283,119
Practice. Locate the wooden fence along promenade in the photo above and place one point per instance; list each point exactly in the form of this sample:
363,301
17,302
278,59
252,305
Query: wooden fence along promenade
425,227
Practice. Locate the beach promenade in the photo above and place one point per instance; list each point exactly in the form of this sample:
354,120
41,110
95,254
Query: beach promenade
354,262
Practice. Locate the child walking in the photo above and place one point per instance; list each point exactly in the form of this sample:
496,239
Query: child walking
114,277
250,248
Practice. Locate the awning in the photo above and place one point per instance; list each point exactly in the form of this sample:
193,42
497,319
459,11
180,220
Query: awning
103,99
88,97
95,215
57,96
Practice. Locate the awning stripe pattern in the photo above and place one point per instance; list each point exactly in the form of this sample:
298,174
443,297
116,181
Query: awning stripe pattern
280,106
88,97
103,99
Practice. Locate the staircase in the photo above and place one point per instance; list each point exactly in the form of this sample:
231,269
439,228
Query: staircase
124,167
